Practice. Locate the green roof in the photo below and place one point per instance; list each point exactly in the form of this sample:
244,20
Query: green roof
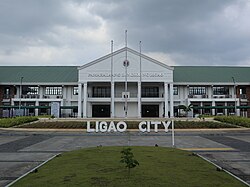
38,74
69,74
211,74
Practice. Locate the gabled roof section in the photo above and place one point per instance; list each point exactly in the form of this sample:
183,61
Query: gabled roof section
123,50
211,74
39,74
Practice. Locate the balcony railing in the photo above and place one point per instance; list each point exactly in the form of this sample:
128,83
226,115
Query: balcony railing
121,94
33,96
100,95
222,96
198,96
52,96
151,94
6,96
243,96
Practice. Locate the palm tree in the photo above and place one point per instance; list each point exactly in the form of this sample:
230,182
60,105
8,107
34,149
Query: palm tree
186,108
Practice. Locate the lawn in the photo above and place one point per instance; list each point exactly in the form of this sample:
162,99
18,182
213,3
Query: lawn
100,166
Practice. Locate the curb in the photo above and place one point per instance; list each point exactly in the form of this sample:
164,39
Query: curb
8,185
222,169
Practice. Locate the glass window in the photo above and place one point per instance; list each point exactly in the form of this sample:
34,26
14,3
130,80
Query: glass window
197,90
30,90
175,90
220,90
243,90
75,90
53,90
101,92
150,92
6,93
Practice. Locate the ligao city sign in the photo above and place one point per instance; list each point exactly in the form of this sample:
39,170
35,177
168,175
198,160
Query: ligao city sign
121,126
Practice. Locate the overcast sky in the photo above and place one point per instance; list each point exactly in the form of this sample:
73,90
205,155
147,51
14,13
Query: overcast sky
75,32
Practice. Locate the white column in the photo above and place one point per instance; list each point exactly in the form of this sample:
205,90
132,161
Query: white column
238,110
201,110
85,96
64,96
36,109
213,110
112,99
139,99
17,91
226,111
79,100
166,99
40,91
171,93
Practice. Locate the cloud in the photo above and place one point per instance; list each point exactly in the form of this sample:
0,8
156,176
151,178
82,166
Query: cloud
74,32
162,57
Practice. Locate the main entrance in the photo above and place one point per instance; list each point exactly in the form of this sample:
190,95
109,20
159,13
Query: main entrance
101,111
150,110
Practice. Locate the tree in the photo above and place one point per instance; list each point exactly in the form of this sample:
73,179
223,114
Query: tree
128,158
186,108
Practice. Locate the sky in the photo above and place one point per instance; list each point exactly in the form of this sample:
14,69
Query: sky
75,32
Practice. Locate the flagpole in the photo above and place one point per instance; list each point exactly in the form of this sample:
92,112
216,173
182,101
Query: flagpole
126,78
173,143
112,81
140,76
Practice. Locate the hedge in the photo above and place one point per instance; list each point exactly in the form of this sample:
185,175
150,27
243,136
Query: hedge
235,120
10,122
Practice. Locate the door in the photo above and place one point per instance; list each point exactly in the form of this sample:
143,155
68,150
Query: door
150,111
101,111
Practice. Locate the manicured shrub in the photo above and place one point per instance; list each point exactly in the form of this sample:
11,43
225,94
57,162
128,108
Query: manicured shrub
235,120
201,124
10,122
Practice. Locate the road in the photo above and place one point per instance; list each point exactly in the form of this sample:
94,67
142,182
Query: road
20,151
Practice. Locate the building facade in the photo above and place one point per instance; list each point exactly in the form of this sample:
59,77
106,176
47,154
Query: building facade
124,84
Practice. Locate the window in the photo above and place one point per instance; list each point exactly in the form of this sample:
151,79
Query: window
101,92
220,90
75,90
197,90
30,90
175,90
150,91
53,91
6,93
243,90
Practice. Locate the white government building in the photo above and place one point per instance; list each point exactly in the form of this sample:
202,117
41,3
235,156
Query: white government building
124,83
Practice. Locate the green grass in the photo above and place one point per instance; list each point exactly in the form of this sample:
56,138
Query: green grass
131,125
235,120
10,122
101,167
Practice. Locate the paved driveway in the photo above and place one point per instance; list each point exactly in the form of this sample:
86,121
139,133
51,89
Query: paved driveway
22,151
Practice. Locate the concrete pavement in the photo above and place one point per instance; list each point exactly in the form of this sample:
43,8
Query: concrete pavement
20,151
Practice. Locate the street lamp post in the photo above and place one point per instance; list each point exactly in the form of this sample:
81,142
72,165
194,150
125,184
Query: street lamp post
235,95
20,95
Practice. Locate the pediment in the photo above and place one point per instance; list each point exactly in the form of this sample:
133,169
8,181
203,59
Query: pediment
100,69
